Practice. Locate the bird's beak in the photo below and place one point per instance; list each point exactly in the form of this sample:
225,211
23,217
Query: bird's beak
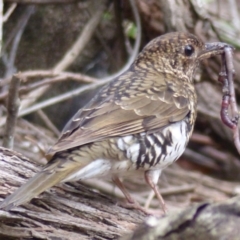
213,49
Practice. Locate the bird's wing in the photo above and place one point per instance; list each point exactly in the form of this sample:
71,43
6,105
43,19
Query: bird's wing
120,109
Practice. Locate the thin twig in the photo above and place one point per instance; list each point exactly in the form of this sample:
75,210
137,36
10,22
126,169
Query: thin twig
28,75
76,48
136,45
1,24
100,83
60,78
9,11
38,131
17,27
202,139
9,62
12,109
48,122
233,104
42,1
63,76
60,98
200,159
233,8
172,190
81,41
221,185
230,72
219,155
80,90
149,199
120,31
57,99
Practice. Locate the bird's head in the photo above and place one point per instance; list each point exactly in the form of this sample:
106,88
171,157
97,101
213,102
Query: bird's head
177,53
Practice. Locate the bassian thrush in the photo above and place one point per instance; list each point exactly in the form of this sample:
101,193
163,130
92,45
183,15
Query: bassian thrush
139,123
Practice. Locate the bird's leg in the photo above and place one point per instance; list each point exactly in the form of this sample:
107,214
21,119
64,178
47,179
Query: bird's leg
150,181
118,182
132,203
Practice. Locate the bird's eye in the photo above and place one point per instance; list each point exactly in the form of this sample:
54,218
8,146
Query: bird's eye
188,50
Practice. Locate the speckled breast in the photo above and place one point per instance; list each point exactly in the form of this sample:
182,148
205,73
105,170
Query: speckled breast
156,150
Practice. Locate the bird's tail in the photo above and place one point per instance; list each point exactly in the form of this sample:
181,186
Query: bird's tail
34,186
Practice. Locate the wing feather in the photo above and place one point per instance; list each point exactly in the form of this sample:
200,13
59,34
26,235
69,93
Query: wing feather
119,115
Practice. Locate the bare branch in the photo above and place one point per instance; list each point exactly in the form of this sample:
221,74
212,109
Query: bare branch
27,75
9,61
233,103
120,31
77,47
12,108
42,1
136,45
60,77
48,122
81,42
9,12
60,98
80,90
233,8
1,24
76,92
229,98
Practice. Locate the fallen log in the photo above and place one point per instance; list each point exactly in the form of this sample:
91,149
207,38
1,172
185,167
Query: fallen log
68,211
73,211
202,221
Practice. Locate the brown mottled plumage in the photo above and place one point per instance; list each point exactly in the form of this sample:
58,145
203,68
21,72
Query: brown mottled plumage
138,123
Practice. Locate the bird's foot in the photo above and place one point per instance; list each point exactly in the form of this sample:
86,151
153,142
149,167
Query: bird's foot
134,205
137,206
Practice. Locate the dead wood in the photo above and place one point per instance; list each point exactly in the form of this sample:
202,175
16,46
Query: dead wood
72,211
68,211
203,221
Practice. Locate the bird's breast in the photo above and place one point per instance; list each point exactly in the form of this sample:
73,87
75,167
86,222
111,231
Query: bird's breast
156,150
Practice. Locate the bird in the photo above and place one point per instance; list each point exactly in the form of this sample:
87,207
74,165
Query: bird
136,125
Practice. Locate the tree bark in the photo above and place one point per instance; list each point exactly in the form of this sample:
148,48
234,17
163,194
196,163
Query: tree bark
68,211
203,221
72,211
